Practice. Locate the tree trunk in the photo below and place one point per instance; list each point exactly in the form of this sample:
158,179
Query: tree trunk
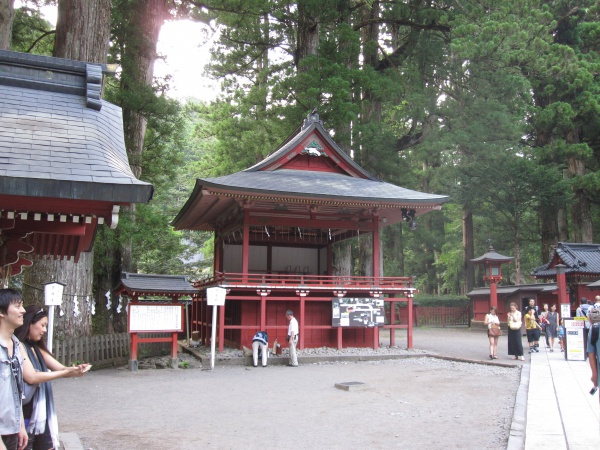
74,318
468,249
82,32
342,258
308,34
7,14
581,219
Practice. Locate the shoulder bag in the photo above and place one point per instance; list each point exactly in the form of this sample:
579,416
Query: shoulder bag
495,330
29,391
514,325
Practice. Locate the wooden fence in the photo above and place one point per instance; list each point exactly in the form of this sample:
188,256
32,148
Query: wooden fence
105,350
442,316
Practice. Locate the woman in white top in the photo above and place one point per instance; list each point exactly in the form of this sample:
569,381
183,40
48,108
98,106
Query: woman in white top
493,323
515,339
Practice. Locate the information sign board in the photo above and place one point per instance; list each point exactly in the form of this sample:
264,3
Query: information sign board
155,317
574,339
357,312
215,296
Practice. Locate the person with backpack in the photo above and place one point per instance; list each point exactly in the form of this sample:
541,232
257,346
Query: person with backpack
582,312
260,344
593,343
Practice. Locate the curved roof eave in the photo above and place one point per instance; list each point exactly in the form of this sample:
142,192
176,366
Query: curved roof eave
319,185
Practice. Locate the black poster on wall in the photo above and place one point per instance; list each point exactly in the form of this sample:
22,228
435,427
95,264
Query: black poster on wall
357,312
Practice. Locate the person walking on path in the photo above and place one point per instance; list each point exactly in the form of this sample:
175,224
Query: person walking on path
593,348
39,369
533,330
552,321
260,340
544,322
12,425
515,342
493,323
536,313
582,312
561,335
292,337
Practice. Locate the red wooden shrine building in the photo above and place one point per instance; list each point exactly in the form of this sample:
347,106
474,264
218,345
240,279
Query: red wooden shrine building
63,166
275,225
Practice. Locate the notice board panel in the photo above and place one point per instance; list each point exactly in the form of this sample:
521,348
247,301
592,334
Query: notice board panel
357,312
152,317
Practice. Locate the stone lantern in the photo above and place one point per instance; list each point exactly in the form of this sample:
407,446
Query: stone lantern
492,264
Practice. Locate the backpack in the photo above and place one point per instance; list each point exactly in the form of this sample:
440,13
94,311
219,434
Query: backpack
594,314
595,330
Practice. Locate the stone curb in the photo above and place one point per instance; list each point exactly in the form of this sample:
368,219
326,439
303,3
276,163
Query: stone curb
518,428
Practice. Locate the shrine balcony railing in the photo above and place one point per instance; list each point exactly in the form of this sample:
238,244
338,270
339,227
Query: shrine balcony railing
286,282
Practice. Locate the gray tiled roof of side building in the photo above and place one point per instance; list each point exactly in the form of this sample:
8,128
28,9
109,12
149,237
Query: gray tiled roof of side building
326,184
158,283
578,257
54,136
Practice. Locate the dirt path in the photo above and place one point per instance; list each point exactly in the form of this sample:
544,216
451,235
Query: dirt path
412,403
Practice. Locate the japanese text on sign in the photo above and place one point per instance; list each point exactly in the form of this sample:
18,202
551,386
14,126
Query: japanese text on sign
155,318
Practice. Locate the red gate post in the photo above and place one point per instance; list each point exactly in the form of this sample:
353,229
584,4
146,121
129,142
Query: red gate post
133,352
393,323
409,334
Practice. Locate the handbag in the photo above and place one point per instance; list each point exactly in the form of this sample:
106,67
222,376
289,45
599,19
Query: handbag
514,325
28,392
494,331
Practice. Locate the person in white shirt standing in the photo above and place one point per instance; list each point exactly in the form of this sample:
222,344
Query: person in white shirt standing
292,337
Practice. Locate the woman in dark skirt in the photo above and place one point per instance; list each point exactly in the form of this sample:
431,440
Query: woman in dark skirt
552,327
515,341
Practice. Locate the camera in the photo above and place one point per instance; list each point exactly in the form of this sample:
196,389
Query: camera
593,390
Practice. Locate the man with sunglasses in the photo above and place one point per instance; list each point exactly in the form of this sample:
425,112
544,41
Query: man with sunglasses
12,425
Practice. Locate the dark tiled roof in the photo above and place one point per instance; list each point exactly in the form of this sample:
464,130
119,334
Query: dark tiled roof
493,256
156,284
579,259
311,125
321,184
511,289
57,137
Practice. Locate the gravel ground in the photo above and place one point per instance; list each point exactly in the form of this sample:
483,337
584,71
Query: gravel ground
417,402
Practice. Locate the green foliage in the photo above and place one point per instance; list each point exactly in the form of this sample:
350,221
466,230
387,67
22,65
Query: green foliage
31,32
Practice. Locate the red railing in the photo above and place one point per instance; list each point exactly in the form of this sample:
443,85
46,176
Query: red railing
289,281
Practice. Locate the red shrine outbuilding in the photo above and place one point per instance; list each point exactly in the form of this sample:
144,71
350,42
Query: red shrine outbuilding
275,225
63,165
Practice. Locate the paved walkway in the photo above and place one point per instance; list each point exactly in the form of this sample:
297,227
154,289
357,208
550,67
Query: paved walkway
561,414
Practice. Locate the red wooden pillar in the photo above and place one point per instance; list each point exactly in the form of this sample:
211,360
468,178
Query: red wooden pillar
376,248
263,312
174,345
340,344
301,324
133,347
221,328
493,295
245,245
409,334
218,258
392,322
375,338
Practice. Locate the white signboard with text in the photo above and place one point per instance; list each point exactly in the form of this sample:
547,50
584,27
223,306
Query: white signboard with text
574,337
152,317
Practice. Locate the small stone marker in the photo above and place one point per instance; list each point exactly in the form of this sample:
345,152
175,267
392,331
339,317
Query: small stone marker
350,385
